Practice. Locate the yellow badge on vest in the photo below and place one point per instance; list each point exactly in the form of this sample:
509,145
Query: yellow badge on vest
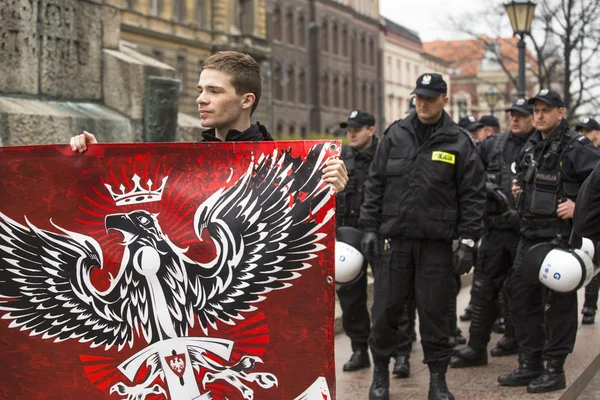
443,157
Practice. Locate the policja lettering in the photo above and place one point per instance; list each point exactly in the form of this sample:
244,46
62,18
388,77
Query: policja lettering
443,156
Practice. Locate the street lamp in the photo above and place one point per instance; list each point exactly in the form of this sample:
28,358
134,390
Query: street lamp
520,13
491,96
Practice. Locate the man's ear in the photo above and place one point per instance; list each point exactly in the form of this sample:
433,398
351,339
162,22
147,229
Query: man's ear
248,100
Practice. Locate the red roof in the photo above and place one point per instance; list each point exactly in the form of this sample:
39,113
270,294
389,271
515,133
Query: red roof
465,56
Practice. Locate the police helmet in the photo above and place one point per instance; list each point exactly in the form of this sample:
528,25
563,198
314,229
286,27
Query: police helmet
349,260
562,270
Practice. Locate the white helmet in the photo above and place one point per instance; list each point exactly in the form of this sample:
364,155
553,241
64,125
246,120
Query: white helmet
349,260
562,270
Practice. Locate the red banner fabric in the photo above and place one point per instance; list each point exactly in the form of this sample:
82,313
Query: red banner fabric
167,271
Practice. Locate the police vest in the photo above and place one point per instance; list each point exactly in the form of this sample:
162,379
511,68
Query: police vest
545,184
351,198
499,173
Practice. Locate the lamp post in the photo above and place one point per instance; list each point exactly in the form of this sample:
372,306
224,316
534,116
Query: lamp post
491,96
520,13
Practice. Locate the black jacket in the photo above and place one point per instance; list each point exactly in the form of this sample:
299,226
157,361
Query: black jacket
434,191
256,133
587,208
577,158
351,198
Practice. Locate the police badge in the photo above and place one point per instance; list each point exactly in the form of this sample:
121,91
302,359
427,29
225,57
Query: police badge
426,80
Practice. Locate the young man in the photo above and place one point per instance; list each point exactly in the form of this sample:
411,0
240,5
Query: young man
425,188
357,156
590,128
554,163
499,244
228,93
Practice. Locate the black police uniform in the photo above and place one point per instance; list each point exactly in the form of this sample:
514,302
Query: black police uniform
550,170
353,297
425,188
587,210
498,246
586,222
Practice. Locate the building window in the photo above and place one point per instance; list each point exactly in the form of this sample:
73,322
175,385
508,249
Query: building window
335,49
277,23
245,16
371,51
399,69
179,10
279,128
363,49
346,94
345,42
289,26
291,84
325,36
303,131
408,80
200,12
325,94
301,28
292,129
400,105
416,72
364,96
155,8
336,92
302,86
463,108
181,72
277,85
373,99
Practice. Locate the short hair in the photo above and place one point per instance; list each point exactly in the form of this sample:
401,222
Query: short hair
244,71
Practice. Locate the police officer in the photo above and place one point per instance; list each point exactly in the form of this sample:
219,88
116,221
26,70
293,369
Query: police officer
590,128
586,219
425,187
554,163
357,156
499,245
470,124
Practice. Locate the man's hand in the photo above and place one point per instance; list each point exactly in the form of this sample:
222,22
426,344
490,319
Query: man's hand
516,189
464,258
370,246
335,173
565,209
79,143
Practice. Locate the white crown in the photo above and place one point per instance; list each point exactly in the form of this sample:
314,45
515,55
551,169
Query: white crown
543,92
426,80
138,195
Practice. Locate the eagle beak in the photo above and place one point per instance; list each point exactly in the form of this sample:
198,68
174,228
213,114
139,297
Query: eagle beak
121,223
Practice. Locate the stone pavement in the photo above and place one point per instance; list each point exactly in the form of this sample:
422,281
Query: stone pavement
477,383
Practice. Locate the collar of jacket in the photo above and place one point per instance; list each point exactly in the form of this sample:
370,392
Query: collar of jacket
555,135
369,152
256,133
446,128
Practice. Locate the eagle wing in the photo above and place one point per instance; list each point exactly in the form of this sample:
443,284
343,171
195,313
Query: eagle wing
45,288
265,228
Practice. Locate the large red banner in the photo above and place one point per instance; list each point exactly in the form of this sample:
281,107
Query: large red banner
167,271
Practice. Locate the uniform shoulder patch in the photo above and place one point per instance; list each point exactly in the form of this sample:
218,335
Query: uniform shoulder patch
584,140
468,135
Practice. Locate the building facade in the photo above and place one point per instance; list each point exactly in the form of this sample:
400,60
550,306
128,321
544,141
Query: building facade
325,62
183,33
404,60
477,65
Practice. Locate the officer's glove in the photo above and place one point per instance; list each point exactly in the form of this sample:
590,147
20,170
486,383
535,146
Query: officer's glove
511,218
369,246
464,258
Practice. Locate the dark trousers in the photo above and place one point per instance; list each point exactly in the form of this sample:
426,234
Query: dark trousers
545,322
355,316
591,293
495,259
422,267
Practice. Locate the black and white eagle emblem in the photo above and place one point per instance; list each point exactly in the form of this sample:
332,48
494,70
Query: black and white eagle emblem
265,233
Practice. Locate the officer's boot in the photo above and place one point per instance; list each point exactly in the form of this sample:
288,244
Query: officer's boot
380,388
438,390
402,367
589,316
358,360
469,357
552,379
530,368
506,346
466,315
